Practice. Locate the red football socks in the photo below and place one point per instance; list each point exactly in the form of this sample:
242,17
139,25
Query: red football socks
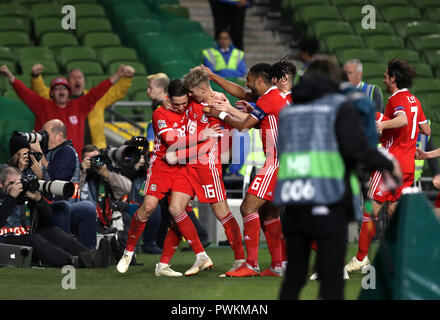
251,232
134,232
170,244
368,230
189,232
273,235
233,234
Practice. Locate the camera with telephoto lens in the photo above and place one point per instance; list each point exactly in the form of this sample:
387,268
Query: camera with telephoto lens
41,136
33,137
58,188
141,143
123,155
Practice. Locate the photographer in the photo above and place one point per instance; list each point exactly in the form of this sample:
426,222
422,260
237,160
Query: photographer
137,174
96,171
25,219
61,162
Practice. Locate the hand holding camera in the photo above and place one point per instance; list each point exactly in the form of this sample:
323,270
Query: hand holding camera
15,188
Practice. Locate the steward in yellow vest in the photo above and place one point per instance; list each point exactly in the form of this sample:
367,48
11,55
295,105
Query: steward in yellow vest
224,59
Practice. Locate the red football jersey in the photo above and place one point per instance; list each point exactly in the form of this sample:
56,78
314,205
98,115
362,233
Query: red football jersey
196,122
401,142
163,122
266,110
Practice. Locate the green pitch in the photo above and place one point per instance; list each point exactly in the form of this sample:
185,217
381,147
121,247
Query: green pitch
140,282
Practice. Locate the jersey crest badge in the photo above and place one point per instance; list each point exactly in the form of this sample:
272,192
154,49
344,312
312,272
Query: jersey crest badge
161,124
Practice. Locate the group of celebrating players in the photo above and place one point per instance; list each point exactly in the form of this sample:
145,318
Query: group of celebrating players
192,134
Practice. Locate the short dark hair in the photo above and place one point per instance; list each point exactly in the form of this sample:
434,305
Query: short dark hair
177,89
217,35
282,68
402,71
262,70
88,148
325,65
309,45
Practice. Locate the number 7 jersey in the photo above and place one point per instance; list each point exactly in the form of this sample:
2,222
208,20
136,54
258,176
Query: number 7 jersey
402,141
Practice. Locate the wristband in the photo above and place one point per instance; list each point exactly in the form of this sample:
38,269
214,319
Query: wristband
223,115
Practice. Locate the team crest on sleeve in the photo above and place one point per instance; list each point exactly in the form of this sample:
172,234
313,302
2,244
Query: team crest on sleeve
73,119
161,124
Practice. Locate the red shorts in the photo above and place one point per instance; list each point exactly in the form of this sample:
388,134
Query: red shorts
376,190
162,179
264,183
207,182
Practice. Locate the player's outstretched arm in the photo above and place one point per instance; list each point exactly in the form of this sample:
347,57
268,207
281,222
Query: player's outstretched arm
248,122
421,155
231,87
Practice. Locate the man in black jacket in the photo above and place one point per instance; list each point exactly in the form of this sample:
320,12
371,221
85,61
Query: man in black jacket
52,246
321,125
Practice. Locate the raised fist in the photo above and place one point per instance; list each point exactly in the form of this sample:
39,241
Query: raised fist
37,69
128,71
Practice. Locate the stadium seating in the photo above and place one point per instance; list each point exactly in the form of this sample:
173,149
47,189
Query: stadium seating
364,55
58,39
88,25
46,10
384,42
14,39
45,25
408,55
324,28
70,54
101,40
337,43
50,67
13,24
87,67
372,69
139,67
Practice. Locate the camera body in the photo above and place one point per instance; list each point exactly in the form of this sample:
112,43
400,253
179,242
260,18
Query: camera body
98,161
37,155
30,183
141,143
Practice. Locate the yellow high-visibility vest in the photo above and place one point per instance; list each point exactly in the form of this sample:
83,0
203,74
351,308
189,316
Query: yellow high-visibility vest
215,57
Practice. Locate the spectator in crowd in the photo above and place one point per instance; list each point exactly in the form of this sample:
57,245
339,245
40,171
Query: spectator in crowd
308,48
100,173
353,68
94,126
321,215
51,245
230,15
61,162
224,58
73,113
157,90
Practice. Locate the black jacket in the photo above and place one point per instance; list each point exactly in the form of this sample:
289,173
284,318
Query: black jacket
350,133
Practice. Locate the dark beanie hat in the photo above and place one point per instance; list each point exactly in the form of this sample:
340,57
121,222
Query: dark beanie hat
16,143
